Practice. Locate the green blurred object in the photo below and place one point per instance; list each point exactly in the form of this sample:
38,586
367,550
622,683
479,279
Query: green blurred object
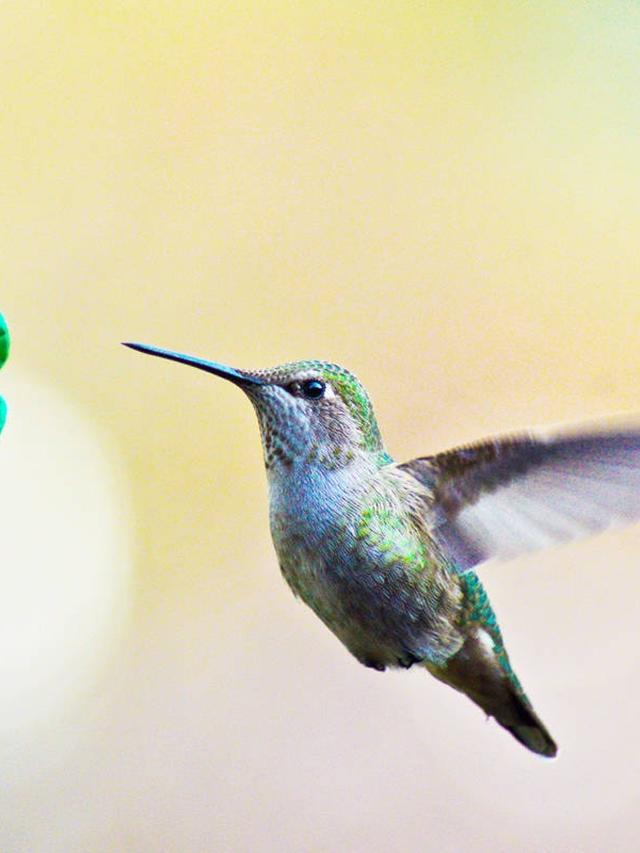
5,342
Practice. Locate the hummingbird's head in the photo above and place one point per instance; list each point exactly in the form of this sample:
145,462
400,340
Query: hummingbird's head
310,412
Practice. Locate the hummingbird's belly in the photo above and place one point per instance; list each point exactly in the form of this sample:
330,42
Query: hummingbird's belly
376,612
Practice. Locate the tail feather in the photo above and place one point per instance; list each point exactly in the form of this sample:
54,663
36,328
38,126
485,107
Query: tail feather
528,729
477,672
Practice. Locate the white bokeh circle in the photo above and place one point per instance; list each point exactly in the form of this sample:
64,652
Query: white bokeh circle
65,566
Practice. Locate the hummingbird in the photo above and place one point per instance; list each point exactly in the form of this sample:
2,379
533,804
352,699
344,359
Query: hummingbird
385,553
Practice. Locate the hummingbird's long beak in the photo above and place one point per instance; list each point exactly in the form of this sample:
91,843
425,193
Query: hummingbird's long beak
234,376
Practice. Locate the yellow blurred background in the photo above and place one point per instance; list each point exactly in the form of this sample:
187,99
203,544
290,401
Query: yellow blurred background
444,197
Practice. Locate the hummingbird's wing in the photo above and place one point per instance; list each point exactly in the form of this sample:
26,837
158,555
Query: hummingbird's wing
504,496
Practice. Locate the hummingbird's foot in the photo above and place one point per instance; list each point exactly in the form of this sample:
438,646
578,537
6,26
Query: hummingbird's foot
408,660
371,663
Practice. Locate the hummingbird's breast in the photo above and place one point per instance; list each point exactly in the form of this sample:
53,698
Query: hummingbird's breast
313,511
348,550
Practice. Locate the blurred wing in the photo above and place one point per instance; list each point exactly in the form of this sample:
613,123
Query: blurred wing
502,497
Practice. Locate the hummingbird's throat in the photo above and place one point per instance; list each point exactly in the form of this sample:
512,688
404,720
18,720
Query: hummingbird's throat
290,440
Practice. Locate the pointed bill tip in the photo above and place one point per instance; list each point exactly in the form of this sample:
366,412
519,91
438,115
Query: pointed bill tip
132,345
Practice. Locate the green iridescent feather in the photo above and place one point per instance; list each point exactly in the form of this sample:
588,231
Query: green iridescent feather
388,533
478,611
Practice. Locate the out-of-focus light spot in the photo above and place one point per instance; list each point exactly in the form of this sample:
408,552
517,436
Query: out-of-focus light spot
65,563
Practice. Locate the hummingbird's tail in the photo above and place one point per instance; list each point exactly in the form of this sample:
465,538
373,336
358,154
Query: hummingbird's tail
483,673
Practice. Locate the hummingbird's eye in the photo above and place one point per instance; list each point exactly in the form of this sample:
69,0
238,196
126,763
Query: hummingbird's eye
313,389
